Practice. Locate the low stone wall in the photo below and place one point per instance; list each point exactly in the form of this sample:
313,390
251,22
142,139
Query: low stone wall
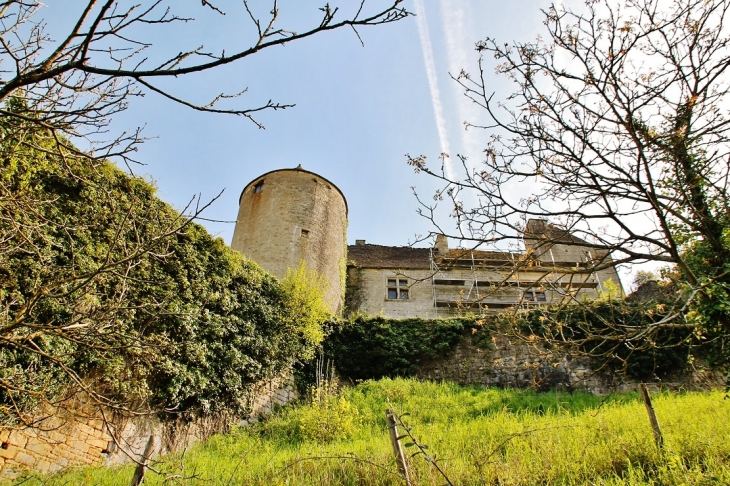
61,438
510,362
277,392
57,440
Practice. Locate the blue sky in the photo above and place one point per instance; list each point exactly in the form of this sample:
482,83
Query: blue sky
358,111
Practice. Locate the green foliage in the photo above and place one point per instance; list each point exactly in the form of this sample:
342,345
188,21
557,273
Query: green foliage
343,267
482,436
105,288
235,329
306,305
590,328
374,347
610,291
324,420
334,418
710,309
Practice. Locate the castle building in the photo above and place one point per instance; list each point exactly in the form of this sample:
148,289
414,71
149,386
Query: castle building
445,282
290,216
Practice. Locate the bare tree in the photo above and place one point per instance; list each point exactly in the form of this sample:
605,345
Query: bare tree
76,84
617,131
90,260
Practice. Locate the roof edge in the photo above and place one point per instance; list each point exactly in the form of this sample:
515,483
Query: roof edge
296,169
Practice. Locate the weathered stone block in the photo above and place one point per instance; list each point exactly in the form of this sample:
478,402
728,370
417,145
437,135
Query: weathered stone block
40,448
18,438
96,424
45,466
79,446
25,459
54,436
9,452
85,429
97,443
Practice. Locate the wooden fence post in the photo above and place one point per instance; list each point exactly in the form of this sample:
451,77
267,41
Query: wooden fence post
139,473
397,449
658,439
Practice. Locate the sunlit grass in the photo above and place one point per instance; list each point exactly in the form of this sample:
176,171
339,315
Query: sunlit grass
479,436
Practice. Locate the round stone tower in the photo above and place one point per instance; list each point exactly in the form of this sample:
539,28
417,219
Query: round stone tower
288,216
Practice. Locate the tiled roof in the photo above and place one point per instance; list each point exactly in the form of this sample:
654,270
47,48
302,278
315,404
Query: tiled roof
402,257
377,256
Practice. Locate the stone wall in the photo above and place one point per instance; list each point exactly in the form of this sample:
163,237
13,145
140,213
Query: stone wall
368,294
515,363
292,215
272,394
57,443
60,439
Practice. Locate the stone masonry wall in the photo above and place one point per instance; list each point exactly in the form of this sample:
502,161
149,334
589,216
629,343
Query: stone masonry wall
61,439
512,363
294,216
370,294
269,395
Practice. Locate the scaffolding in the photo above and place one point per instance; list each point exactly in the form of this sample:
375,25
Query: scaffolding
472,297
528,293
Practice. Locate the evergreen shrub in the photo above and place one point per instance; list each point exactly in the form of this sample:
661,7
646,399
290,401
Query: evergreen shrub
106,289
365,348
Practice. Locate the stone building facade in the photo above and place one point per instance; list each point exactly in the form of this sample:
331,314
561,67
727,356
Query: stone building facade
437,282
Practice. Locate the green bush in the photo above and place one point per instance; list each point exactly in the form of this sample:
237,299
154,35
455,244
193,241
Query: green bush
365,348
374,347
306,305
326,417
590,328
333,418
105,288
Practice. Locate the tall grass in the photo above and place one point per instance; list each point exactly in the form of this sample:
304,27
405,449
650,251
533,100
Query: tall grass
479,436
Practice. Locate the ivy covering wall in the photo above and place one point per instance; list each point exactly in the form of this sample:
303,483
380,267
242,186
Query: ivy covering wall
374,347
107,290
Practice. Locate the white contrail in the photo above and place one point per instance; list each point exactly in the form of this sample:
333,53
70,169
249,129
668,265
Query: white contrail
457,45
433,86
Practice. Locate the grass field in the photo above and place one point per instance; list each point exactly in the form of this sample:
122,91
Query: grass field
478,436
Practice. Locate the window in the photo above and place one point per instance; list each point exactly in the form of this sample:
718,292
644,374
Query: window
305,233
397,289
536,296
258,187
446,281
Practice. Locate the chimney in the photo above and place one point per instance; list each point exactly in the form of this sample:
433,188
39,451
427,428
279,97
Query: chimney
359,242
442,244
